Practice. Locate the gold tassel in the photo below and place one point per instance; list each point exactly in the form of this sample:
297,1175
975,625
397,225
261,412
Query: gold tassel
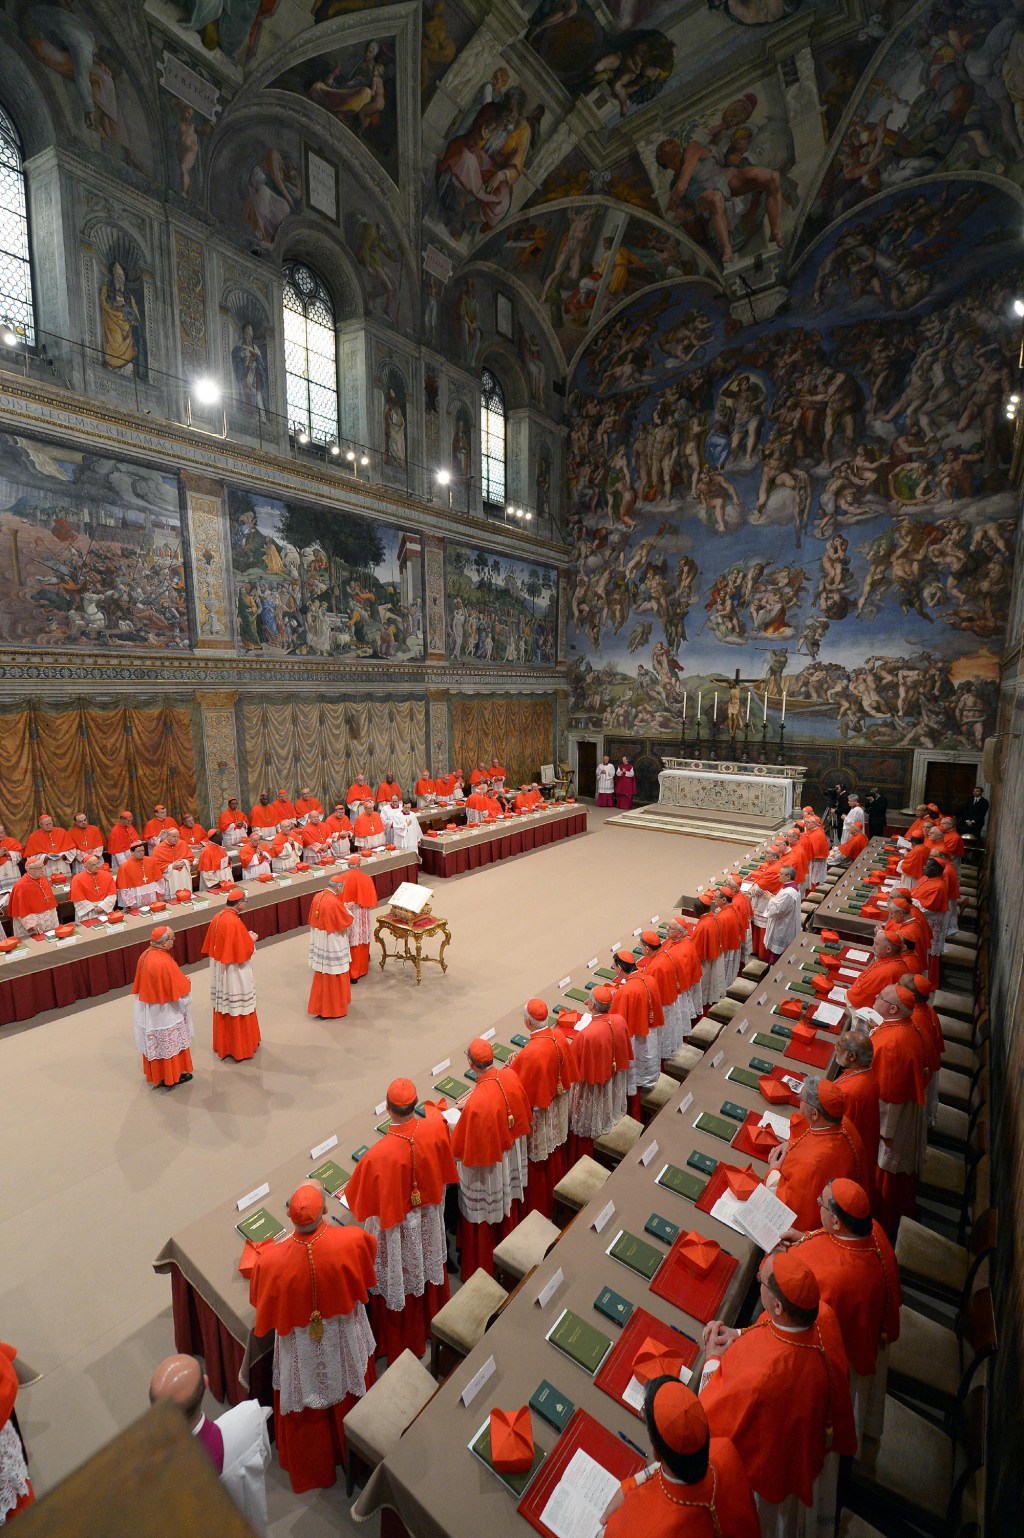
511,1121
416,1198
829,1434
559,1088
316,1325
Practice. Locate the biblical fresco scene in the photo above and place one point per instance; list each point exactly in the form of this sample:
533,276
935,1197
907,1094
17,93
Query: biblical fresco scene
499,609
356,86
313,583
90,551
822,506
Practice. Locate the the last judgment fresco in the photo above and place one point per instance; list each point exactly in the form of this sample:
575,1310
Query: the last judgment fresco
822,505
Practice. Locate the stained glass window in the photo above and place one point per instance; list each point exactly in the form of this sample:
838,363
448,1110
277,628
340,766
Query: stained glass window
16,308
492,439
310,354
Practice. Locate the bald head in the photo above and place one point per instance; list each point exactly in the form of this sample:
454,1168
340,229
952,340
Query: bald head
854,1049
883,945
180,1381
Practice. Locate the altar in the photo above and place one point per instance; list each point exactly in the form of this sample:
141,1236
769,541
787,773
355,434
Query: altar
716,799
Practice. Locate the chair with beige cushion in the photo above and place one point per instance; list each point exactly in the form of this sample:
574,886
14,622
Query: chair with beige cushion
934,1366
657,1097
725,1010
375,1424
612,1147
576,1188
754,970
919,1474
460,1325
682,1062
524,1248
741,989
936,1267
705,1032
948,1001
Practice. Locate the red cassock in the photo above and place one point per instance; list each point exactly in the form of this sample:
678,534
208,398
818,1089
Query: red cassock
331,992
31,896
926,1022
860,1107
875,976
121,838
236,1026
361,895
685,962
92,889
338,822
797,857
860,1281
157,825
54,842
720,1504
359,791
386,789
900,1067
283,809
138,873
194,835
638,999
782,1398
166,854
368,824
15,1470
160,980
853,846
603,1050
547,1069
813,1159
264,816
730,927
311,1441
414,1157
913,862
307,804
707,937
818,843
425,787
657,967
495,1165
211,858
229,819
85,838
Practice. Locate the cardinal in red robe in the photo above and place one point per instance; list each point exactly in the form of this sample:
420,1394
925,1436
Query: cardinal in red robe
829,1148
490,1144
329,953
163,1012
230,946
547,1069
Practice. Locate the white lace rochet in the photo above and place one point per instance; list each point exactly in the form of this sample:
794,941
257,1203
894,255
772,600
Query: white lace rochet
312,1374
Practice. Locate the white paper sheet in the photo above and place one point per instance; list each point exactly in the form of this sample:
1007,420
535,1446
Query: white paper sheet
727,1209
827,1014
838,994
859,956
451,1115
576,1504
633,1394
582,1022
778,1124
765,1218
850,973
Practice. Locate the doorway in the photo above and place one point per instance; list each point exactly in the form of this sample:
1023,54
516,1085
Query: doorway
949,785
586,767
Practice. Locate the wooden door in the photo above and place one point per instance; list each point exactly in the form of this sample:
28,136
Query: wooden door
950,785
586,768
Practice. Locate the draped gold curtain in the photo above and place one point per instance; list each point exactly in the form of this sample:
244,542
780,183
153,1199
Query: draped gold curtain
322,743
519,732
73,757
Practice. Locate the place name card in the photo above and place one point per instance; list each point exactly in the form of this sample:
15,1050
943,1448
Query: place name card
762,1001
440,1067
685,1104
637,932
616,945
321,1148
603,1217
563,982
478,1380
549,1289
488,1035
253,1196
655,918
718,1060
379,1110
592,962
648,1154
744,1026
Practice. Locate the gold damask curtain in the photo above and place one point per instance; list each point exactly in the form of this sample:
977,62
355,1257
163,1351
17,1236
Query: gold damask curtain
519,732
321,743
74,757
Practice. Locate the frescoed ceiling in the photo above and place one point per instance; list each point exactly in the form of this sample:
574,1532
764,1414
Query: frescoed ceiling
578,151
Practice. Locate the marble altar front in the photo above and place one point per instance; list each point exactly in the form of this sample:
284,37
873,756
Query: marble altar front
762,794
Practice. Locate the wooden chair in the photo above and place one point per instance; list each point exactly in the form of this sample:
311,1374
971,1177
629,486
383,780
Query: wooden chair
935,1267
933,1366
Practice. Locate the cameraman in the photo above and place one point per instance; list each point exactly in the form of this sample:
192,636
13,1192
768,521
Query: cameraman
877,806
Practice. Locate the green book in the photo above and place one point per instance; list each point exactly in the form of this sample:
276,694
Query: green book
604,972
733,1111
501,1052
517,1483
715,1126
661,1228
760,1039
451,1086
551,1404
579,1341
745,1077
635,1253
330,1175
761,1065
681,1182
806,989
785,1031
703,1162
260,1225
472,1074
519,1040
420,1110
357,1153
613,1305
580,995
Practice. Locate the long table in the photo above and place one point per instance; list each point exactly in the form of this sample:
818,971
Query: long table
49,974
431,1486
449,854
835,912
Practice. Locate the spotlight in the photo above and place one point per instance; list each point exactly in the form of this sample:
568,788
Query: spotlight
527,516
302,437
1014,400
1018,307
334,449
365,460
9,337
510,511
206,390
444,477
350,455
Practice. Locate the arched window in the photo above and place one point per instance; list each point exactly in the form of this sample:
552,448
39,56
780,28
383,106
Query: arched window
492,439
310,354
16,307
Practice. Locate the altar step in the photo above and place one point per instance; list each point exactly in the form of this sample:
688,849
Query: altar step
656,819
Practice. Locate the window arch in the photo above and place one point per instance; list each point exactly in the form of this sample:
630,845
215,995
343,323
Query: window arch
492,439
310,353
16,303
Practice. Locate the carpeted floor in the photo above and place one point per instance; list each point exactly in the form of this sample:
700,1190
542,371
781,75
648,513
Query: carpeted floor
99,1168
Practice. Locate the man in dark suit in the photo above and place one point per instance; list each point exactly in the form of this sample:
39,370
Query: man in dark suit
971,817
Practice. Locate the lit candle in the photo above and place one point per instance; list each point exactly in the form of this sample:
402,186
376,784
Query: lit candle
700,696
748,706
714,715
783,707
766,704
684,704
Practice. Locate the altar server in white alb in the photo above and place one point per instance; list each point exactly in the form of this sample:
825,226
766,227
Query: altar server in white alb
163,1012
853,822
401,827
606,782
782,915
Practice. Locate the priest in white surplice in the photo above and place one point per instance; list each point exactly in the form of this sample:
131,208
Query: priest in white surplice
401,827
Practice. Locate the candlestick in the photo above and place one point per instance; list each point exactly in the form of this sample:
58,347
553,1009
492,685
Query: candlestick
684,704
783,721
748,706
765,704
700,696
714,715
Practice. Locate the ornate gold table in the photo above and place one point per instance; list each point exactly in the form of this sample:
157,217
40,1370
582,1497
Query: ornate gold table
409,938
